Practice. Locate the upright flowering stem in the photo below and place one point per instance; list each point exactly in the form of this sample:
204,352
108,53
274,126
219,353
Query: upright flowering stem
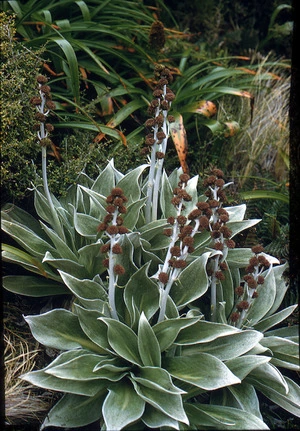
181,241
220,234
113,226
156,141
43,105
247,293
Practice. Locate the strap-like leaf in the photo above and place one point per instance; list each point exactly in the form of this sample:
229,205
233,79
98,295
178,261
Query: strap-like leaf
75,410
229,346
202,370
122,406
270,321
33,286
148,345
59,329
156,378
166,331
145,298
123,340
192,282
43,380
169,404
223,417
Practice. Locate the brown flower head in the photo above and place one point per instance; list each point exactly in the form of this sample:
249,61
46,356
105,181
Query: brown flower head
239,291
260,279
218,173
157,37
163,277
185,231
41,79
230,243
108,218
223,266
119,269
50,104
175,251
220,182
102,227
171,220
234,316
40,117
188,241
160,155
194,214
252,283
111,209
225,231
213,203
117,249
168,232
164,105
49,127
35,101
209,181
122,229
218,246
202,205
105,262
254,261
257,249
181,220
179,263
263,261
243,305
112,230
45,89
105,248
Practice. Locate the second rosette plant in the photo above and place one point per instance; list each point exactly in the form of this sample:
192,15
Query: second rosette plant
170,325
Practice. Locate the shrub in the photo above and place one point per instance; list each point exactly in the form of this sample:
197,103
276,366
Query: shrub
19,67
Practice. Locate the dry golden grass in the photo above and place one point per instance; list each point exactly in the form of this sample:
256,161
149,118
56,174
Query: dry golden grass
263,145
22,402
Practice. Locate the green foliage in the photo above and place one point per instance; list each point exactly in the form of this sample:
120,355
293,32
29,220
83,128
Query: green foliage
19,67
144,371
101,65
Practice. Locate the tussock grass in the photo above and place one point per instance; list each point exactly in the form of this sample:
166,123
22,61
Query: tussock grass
23,404
263,143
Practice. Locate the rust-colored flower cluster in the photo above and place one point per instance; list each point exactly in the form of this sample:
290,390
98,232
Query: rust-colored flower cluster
44,105
113,225
218,218
158,110
247,291
157,36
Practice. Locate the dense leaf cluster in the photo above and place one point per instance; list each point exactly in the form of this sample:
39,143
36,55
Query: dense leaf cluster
140,369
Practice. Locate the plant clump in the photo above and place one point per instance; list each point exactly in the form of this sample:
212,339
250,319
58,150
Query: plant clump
168,313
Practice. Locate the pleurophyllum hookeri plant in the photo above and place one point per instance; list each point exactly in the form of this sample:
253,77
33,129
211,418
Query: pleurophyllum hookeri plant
171,325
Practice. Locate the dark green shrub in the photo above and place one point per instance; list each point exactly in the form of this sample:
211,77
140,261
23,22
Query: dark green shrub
18,141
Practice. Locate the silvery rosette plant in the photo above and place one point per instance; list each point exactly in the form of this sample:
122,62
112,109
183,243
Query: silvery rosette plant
171,326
